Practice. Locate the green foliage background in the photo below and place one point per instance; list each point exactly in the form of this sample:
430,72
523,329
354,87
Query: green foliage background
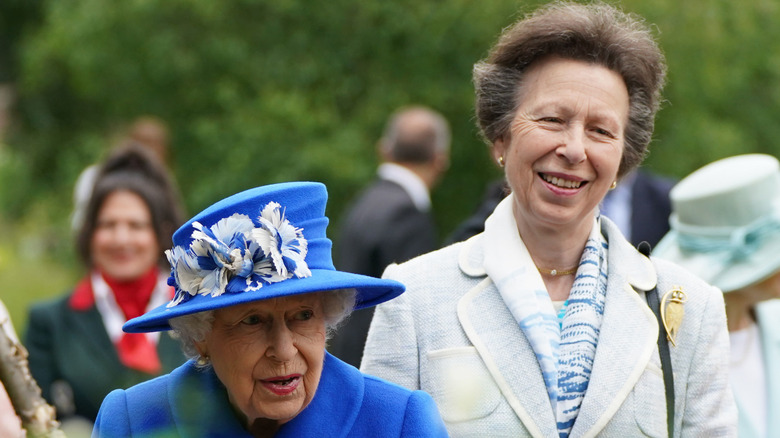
259,91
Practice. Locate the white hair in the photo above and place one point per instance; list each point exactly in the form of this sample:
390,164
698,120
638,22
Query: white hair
193,328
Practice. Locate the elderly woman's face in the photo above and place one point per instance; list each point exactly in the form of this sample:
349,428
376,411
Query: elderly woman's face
269,354
124,244
565,142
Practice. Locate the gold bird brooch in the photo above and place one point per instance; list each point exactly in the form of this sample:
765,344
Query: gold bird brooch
672,312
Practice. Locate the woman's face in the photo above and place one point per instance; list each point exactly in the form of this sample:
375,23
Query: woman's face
565,142
269,354
124,245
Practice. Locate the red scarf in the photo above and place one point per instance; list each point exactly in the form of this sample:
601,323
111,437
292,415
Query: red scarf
134,349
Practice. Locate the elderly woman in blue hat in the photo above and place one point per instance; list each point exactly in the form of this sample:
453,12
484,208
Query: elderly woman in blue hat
256,297
725,227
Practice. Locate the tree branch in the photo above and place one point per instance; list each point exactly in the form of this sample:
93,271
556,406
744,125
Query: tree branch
38,417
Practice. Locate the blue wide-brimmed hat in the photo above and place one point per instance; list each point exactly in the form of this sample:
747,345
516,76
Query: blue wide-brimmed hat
262,243
725,222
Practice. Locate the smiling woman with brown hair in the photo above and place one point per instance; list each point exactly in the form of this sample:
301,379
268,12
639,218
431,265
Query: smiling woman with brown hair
540,325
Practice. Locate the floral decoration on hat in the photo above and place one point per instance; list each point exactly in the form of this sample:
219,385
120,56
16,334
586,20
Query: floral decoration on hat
236,256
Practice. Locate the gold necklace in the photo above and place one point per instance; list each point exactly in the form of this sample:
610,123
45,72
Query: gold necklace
556,272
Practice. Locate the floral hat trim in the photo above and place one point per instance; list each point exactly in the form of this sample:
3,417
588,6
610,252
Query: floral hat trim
235,256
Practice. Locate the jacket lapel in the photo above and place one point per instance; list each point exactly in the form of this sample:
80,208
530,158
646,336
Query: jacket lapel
87,329
503,347
333,411
199,403
627,338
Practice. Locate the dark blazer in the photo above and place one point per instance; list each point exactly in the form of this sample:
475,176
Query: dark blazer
70,351
383,226
189,402
650,207
475,223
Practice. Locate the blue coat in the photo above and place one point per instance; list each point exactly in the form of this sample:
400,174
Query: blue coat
193,403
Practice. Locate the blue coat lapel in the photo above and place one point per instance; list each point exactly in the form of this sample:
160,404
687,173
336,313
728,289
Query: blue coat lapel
199,402
333,410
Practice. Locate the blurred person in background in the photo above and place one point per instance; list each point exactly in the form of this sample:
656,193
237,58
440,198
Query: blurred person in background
726,229
147,131
153,133
78,352
391,221
541,325
256,298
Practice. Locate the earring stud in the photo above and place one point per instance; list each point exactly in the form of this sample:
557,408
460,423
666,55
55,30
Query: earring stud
614,184
501,161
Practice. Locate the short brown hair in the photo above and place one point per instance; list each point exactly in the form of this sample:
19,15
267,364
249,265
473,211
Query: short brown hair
595,33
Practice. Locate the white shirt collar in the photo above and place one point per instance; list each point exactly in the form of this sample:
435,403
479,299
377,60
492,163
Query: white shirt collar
409,181
113,316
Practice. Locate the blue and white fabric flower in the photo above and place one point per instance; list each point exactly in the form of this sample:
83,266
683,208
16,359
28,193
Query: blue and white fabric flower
236,256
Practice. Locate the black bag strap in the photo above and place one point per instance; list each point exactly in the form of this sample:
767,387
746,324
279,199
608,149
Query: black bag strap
654,301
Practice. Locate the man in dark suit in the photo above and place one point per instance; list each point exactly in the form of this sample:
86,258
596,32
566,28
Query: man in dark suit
391,220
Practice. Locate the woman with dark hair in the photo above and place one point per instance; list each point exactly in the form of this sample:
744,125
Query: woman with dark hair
78,352
540,325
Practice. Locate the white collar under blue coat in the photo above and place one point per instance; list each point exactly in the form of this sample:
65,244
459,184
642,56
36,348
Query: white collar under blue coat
409,181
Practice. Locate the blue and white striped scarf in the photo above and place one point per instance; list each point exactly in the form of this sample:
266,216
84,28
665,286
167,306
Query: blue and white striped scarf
565,352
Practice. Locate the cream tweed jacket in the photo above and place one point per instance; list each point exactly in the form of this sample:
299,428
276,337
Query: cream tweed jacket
451,335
